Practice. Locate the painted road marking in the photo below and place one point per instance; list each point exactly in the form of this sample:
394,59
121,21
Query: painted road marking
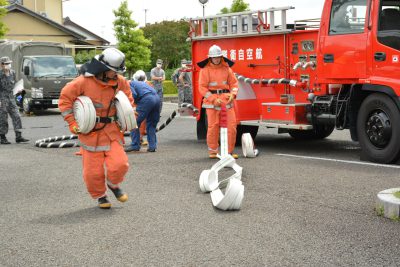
342,161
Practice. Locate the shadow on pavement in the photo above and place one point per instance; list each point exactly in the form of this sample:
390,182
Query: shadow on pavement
77,216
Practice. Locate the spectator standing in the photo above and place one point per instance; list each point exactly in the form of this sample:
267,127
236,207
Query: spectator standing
148,106
185,79
8,104
157,77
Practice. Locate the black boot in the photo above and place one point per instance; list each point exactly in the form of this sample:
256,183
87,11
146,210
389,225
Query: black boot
19,138
121,196
3,140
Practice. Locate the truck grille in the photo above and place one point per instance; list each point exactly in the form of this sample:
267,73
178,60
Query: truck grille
51,94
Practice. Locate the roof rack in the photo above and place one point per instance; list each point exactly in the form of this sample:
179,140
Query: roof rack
240,24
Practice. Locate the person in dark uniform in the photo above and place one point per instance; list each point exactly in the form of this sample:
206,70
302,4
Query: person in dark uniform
8,104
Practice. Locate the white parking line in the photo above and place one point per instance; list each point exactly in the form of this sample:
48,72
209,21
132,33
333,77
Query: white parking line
342,161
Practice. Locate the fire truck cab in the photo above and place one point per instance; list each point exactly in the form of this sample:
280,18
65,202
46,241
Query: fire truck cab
341,71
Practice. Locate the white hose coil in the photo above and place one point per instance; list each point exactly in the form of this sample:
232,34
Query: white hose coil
248,146
125,113
85,114
232,199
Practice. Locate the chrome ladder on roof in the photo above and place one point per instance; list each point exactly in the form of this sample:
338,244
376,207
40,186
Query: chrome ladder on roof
240,24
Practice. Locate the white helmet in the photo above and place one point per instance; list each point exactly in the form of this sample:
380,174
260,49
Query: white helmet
215,51
139,76
113,59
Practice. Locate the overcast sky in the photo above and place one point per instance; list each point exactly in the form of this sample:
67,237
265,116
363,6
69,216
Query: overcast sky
97,15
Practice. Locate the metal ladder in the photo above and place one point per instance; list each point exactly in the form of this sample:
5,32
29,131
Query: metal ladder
239,24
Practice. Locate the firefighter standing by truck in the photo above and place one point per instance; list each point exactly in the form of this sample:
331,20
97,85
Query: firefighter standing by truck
103,157
219,86
7,103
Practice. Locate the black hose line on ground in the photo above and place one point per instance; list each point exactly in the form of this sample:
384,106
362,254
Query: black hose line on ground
53,142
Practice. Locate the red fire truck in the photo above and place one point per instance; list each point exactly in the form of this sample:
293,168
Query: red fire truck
340,71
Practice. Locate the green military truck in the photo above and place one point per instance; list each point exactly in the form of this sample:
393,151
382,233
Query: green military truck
44,69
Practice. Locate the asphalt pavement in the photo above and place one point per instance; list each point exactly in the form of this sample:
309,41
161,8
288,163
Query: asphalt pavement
305,204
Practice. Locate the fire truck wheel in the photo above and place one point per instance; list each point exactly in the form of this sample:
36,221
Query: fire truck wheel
202,126
378,125
241,129
319,132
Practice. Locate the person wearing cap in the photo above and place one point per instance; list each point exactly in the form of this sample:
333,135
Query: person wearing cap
185,79
219,86
8,105
157,77
103,157
148,108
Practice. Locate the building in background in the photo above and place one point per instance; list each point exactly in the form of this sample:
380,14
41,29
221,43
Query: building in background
42,20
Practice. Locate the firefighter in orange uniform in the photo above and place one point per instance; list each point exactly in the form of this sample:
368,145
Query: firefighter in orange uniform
103,157
218,85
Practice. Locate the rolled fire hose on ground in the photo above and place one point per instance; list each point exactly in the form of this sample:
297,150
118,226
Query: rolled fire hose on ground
49,142
209,182
248,146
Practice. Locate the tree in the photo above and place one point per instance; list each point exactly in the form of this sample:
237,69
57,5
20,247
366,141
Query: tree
237,6
3,12
169,43
131,40
84,56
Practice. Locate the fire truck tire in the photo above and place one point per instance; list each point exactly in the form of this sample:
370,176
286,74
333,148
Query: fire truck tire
202,126
241,129
378,125
319,132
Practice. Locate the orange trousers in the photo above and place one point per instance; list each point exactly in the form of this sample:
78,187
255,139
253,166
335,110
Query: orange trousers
213,130
116,166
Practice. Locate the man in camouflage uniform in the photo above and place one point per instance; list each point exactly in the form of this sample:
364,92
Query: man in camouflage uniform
185,80
7,103
175,79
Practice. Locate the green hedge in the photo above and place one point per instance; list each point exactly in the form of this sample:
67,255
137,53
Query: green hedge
169,88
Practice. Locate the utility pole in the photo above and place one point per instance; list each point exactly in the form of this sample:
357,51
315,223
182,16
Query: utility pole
145,17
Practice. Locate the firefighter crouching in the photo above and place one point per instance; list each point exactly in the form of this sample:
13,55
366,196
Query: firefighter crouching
219,86
103,157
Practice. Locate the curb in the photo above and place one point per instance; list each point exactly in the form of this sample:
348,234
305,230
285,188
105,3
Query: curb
387,204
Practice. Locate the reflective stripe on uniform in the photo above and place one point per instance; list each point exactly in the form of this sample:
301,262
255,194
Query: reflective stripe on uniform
208,94
224,82
67,112
98,105
94,148
216,108
212,84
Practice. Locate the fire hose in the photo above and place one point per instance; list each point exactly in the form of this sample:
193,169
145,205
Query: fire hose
85,114
208,181
293,83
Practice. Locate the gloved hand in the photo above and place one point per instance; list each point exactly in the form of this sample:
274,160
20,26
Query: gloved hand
74,127
217,102
231,97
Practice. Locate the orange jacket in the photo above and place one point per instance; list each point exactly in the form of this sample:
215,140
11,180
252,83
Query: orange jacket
213,77
101,95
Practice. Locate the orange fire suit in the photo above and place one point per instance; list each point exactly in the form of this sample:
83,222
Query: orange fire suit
218,82
103,147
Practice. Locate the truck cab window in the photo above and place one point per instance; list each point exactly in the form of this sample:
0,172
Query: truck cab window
347,16
26,62
389,26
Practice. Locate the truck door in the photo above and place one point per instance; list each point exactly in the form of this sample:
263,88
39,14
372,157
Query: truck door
385,53
343,40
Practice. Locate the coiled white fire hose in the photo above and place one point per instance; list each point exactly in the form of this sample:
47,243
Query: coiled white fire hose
125,113
248,146
85,114
208,181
